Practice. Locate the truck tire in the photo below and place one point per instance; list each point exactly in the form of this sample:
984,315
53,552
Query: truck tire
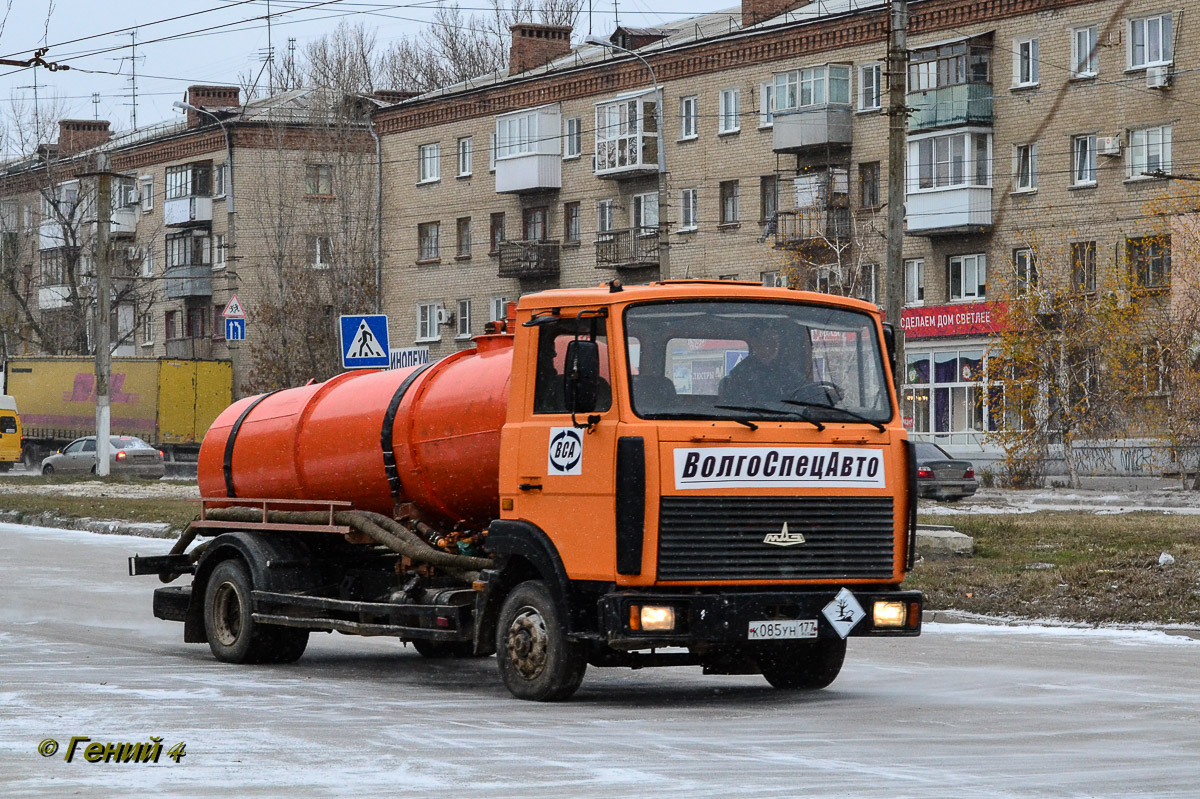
803,665
537,661
233,635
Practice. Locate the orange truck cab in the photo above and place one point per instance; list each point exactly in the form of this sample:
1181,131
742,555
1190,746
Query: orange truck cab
692,473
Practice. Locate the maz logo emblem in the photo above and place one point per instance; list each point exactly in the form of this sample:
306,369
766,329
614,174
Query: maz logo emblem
784,538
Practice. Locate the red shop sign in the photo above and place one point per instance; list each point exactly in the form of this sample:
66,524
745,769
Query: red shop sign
965,319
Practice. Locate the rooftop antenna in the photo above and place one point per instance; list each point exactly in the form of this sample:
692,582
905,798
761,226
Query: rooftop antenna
589,17
95,105
616,16
132,79
270,54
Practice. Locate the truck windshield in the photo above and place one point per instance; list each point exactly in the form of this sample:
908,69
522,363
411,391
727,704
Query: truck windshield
767,361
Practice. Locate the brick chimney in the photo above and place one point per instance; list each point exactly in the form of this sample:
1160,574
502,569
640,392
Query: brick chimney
755,11
81,134
210,97
535,45
393,96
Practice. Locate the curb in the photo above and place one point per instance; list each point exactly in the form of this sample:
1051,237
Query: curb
963,617
86,524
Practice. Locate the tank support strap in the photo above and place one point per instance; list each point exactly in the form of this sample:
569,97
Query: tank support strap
233,433
386,434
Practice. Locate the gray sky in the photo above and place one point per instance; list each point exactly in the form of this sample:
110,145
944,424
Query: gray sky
218,41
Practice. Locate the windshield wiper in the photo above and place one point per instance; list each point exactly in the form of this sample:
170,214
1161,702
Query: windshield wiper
752,409
856,416
705,417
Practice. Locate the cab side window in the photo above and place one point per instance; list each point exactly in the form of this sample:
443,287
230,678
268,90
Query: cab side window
549,392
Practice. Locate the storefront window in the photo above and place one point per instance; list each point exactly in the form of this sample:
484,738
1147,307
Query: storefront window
951,408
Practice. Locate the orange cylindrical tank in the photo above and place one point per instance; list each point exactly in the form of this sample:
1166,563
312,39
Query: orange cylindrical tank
325,441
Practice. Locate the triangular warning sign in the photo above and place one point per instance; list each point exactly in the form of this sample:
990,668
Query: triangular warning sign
233,308
365,345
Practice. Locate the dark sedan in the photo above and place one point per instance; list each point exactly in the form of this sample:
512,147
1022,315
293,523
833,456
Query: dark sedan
942,476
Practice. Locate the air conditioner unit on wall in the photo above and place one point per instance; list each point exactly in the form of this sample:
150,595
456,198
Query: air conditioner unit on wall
1158,77
444,317
1108,145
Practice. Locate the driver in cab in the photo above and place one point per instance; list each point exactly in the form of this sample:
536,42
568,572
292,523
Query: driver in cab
766,375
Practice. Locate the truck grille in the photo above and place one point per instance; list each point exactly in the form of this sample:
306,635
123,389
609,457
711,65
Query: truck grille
721,538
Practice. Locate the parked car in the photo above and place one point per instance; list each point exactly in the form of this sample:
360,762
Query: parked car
942,476
128,455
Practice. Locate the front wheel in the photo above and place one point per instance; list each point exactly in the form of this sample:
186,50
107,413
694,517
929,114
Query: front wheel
537,661
233,634
807,665
47,470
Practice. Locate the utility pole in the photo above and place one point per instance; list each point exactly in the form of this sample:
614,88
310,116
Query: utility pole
103,313
897,69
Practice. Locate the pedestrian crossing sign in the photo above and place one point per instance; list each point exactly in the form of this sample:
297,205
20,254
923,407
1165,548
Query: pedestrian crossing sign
364,341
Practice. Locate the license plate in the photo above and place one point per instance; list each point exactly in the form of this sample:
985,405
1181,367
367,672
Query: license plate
781,630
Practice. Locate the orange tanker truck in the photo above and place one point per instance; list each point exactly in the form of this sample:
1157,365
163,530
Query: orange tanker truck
692,473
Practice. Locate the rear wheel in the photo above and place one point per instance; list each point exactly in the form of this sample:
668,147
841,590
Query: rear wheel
806,665
537,661
233,634
5,466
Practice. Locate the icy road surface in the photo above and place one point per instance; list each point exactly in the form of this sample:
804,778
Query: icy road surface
964,711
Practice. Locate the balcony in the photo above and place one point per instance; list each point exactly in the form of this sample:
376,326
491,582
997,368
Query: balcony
627,137
51,235
194,280
190,349
951,106
528,173
804,226
815,126
124,221
187,211
952,211
529,150
627,249
529,259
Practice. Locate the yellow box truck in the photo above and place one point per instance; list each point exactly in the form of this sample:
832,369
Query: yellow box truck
10,432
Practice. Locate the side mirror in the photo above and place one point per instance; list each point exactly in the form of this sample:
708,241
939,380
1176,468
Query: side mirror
581,377
889,341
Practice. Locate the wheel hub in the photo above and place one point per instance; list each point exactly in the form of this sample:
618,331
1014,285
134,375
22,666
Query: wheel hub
527,642
227,615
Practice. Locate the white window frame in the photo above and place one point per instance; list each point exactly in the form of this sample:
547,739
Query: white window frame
766,100
497,308
971,282
146,185
1085,55
689,216
572,138
148,261
812,87
220,178
465,148
320,258
873,84
689,118
1142,27
517,134
623,138
1083,160
1146,144
869,283
1025,273
429,163
1025,167
463,319
492,152
428,328
730,116
914,281
645,213
219,251
1025,62
952,164
604,219
773,278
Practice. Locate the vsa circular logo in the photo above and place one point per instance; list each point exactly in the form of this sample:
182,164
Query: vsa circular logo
566,451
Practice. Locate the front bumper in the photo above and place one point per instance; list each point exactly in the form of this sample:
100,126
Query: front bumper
724,618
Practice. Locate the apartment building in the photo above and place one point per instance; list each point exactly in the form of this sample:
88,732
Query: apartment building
271,201
1039,134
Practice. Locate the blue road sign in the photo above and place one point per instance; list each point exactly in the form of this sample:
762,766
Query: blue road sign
235,329
364,341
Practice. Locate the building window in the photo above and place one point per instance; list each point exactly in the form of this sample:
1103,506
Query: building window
427,321
220,176
1149,151
54,271
462,230
189,180
185,249
219,250
147,326
218,321
147,194
495,233
197,321
1025,62
497,309
517,134
464,156
868,283
571,225
604,219
429,160
1025,167
171,325
645,213
318,180
463,319
1024,271
914,281
1150,41
573,137
768,198
689,218
952,64
320,251
1153,368
766,100
1084,61
870,95
968,277
148,261
534,221
428,246
1083,161
800,88
492,152
627,134
1150,261
730,119
959,159
868,185
1083,265
774,279
689,117
729,202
